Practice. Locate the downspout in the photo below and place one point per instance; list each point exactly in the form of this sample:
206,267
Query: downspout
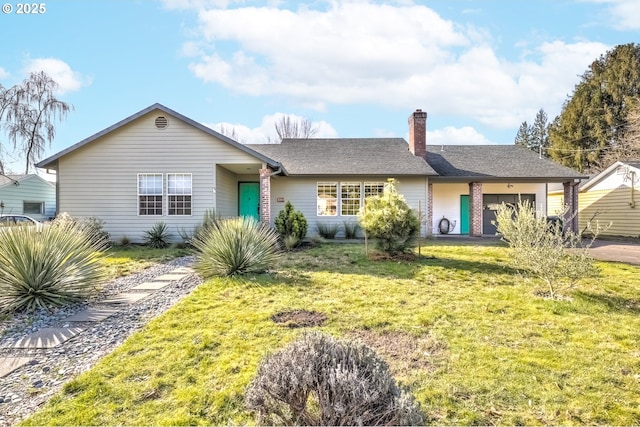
632,203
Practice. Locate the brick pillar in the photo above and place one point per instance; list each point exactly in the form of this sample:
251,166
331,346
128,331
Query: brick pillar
265,195
429,209
475,208
571,200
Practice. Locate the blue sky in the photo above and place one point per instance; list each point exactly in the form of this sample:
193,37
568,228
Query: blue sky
356,68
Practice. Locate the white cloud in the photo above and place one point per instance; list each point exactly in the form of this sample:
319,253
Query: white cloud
67,79
266,132
624,14
4,74
450,135
382,54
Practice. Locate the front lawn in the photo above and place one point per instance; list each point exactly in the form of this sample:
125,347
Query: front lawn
457,326
121,261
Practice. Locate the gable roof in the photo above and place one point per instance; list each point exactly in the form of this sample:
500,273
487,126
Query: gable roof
342,156
50,161
606,172
495,162
17,179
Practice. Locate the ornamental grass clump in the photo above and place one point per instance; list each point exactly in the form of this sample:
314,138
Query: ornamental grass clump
318,380
58,265
235,246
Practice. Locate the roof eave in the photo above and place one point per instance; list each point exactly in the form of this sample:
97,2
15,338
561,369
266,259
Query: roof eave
46,163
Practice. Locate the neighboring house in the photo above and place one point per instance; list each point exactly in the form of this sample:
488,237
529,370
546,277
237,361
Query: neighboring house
27,195
610,197
158,165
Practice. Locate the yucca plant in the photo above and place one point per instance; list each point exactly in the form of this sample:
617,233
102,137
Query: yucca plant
235,246
158,237
55,266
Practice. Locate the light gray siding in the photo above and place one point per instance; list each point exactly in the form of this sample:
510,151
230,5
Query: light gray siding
100,179
302,193
226,192
29,189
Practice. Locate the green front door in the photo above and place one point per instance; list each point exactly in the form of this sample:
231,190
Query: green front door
249,199
464,214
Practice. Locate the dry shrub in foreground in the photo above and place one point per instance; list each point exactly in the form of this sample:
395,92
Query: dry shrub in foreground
319,380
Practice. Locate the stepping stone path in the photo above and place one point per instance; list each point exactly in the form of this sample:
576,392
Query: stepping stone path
49,338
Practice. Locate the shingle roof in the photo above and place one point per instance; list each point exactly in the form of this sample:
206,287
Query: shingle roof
360,156
492,162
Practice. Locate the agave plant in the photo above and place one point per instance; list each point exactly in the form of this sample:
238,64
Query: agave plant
158,236
235,246
57,265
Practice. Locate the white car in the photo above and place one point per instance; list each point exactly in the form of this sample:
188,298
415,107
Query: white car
14,220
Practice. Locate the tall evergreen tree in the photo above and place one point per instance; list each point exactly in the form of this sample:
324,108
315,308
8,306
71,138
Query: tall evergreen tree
593,119
540,133
523,137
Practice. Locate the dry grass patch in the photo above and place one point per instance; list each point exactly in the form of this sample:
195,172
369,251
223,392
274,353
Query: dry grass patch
299,318
402,351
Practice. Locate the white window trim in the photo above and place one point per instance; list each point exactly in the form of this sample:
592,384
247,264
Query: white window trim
41,212
171,194
337,198
360,197
138,194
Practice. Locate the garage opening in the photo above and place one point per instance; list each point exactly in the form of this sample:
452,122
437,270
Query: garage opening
490,203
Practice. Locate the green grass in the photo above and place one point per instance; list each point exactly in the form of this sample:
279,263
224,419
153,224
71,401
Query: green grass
457,326
122,261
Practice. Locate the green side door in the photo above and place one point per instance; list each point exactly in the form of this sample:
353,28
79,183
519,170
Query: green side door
464,214
249,199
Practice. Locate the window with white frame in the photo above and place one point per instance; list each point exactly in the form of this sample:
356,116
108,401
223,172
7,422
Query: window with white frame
33,208
327,198
150,191
350,198
373,189
179,193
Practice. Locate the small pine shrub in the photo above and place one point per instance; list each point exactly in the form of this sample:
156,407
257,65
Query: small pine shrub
319,380
55,266
389,219
158,237
291,223
235,246
351,229
328,230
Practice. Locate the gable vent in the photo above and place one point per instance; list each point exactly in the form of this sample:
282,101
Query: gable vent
162,122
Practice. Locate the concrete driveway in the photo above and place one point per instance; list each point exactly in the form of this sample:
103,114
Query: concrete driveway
609,250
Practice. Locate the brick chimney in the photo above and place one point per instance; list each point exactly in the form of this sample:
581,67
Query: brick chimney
418,133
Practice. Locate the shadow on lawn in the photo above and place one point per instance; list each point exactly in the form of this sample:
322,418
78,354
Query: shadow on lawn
355,262
612,303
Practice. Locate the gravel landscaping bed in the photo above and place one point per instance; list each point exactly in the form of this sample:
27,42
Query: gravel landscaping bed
27,388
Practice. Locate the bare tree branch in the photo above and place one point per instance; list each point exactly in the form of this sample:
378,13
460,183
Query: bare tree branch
28,112
290,127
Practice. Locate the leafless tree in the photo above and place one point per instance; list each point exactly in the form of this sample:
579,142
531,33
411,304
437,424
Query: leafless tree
292,127
230,132
28,112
